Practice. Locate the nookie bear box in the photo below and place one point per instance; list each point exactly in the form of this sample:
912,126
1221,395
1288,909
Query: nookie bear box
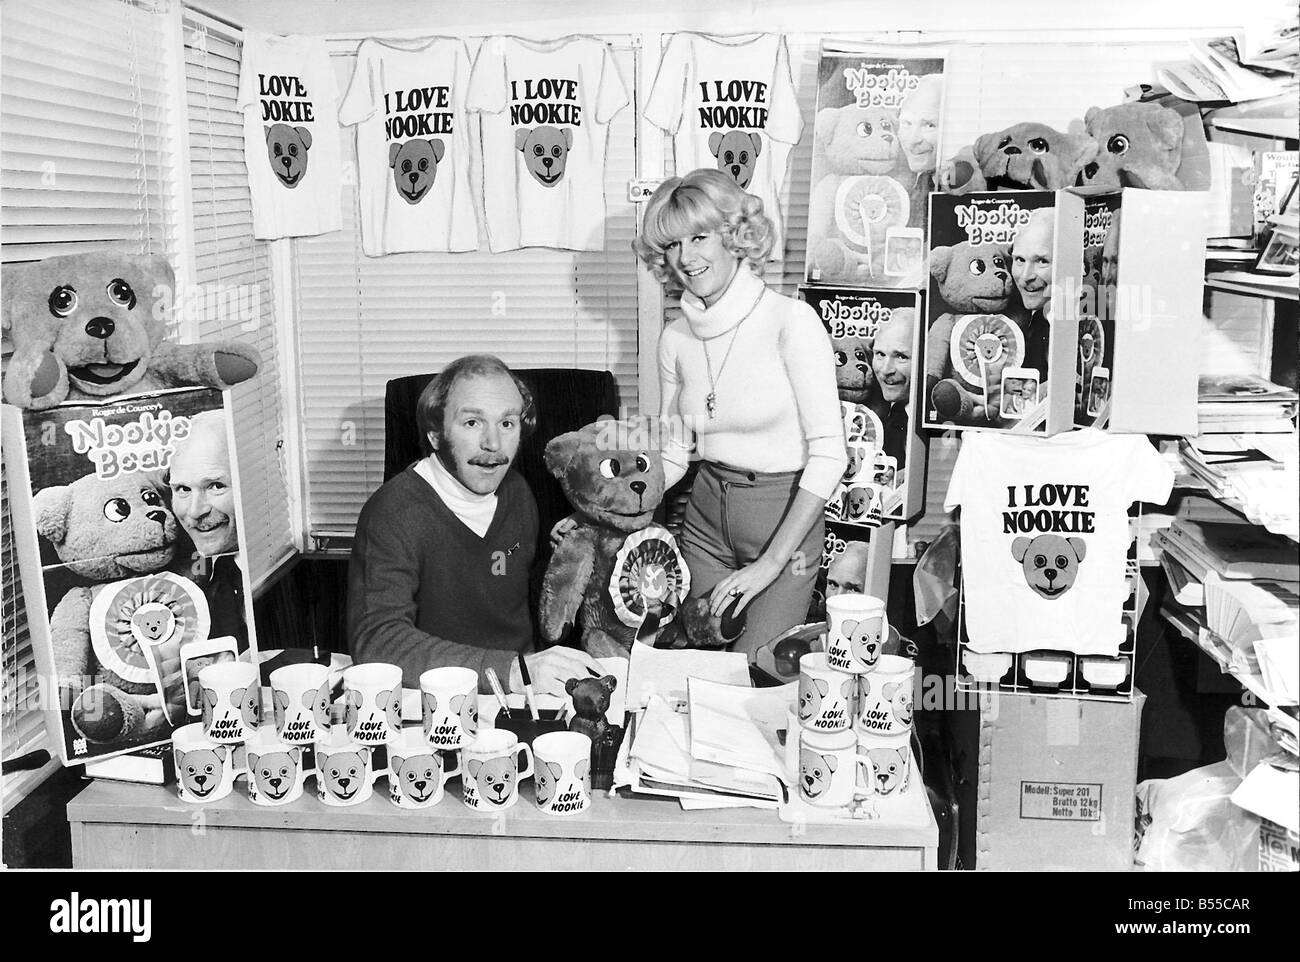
127,523
1002,311
1140,311
1057,784
876,335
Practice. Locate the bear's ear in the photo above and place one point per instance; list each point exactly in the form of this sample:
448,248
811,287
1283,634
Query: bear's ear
431,700
940,260
831,762
567,134
52,506
220,752
236,696
252,760
984,148
556,770
396,761
570,685
1079,149
849,626
296,752
393,150
757,142
304,135
439,149
456,702
1166,127
268,134
560,452
887,692
474,766
822,686
521,137
1090,118
715,142
1020,547
846,689
609,683
1080,547
354,698
581,767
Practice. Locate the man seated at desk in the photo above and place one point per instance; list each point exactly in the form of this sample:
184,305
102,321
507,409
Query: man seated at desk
440,563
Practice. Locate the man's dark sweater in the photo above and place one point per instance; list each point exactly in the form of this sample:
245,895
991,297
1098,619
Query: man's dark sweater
425,591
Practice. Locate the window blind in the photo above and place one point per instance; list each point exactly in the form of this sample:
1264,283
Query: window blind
86,152
233,295
363,321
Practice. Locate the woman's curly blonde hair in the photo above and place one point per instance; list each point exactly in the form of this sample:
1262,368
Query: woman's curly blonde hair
702,201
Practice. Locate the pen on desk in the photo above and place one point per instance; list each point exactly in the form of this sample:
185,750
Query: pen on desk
528,688
497,690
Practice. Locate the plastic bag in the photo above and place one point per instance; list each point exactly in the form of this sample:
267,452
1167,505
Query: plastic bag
1188,824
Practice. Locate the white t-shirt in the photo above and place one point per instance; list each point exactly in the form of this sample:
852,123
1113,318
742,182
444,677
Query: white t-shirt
291,136
407,100
546,108
730,103
1045,535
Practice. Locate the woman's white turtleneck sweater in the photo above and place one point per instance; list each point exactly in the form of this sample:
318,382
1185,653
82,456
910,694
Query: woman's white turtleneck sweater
777,407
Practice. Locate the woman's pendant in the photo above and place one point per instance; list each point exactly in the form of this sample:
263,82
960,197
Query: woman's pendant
711,404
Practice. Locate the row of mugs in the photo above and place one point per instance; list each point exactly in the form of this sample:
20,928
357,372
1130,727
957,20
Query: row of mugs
300,697
879,702
491,767
835,769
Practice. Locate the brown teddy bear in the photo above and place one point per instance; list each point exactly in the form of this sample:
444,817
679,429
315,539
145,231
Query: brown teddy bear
91,326
1025,156
625,575
590,702
103,530
1138,145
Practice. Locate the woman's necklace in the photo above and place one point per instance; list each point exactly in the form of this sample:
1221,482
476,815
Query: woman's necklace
711,401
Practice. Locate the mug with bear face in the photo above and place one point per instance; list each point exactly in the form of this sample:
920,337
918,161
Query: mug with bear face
827,698
885,697
232,696
345,772
449,702
372,695
417,771
275,768
832,772
489,770
205,769
562,781
300,695
890,757
856,631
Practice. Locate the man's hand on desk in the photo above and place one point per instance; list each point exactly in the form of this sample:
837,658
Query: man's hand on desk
551,668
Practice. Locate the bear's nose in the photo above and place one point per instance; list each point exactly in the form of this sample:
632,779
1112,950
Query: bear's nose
414,177
1011,150
1049,574
157,517
100,327
638,487
287,161
1090,170
546,162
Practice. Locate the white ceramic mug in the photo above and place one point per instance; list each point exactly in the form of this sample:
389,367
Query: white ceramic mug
826,697
231,698
372,695
562,779
856,626
890,760
489,770
345,772
832,773
205,769
276,769
886,698
300,695
449,702
417,771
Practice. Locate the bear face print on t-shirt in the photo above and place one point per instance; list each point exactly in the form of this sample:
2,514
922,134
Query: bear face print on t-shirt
1045,536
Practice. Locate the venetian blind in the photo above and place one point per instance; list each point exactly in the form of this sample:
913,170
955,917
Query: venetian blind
363,321
232,295
86,159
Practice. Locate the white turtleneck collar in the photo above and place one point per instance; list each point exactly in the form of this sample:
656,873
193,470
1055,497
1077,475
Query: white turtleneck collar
476,511
731,308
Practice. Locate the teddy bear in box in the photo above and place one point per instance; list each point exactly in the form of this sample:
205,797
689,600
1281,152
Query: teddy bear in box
104,530
614,479
91,326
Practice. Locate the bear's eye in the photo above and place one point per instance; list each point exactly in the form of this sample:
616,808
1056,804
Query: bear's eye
999,261
191,769
538,150
1004,142
352,772
121,293
728,157
63,301
151,498
1117,144
1040,561
116,509
278,150
642,463
860,353
293,150
555,151
208,769
609,468
1038,145
1061,561
284,771
406,166
864,129
424,163
744,157
977,267
841,358
886,125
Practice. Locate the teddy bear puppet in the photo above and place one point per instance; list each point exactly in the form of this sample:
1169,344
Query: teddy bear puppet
90,326
105,530
614,491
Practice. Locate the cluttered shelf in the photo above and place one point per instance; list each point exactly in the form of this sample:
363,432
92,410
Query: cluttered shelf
1231,660
1254,285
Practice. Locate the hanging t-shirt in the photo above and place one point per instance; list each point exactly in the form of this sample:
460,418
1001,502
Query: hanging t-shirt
291,136
407,100
546,108
1045,535
730,103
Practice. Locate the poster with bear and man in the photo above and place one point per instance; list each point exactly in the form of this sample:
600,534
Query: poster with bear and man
130,545
876,143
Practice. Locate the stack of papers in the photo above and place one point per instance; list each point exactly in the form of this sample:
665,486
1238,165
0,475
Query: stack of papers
1244,403
664,672
1232,69
1258,474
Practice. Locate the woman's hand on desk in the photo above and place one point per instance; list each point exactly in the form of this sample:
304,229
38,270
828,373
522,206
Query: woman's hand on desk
558,532
550,669
742,586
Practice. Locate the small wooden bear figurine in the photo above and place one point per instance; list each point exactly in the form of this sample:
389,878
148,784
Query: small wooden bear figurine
590,702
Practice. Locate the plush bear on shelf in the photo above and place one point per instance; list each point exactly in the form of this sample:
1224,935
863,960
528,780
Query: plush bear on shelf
1025,156
92,326
1138,145
623,573
103,530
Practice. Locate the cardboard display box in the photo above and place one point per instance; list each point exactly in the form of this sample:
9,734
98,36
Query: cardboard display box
1057,784
1139,331
1002,312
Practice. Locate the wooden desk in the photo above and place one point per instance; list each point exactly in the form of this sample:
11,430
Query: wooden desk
118,825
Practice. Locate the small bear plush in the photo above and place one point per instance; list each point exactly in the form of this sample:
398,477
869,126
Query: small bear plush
1138,145
1024,156
614,486
590,702
91,326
